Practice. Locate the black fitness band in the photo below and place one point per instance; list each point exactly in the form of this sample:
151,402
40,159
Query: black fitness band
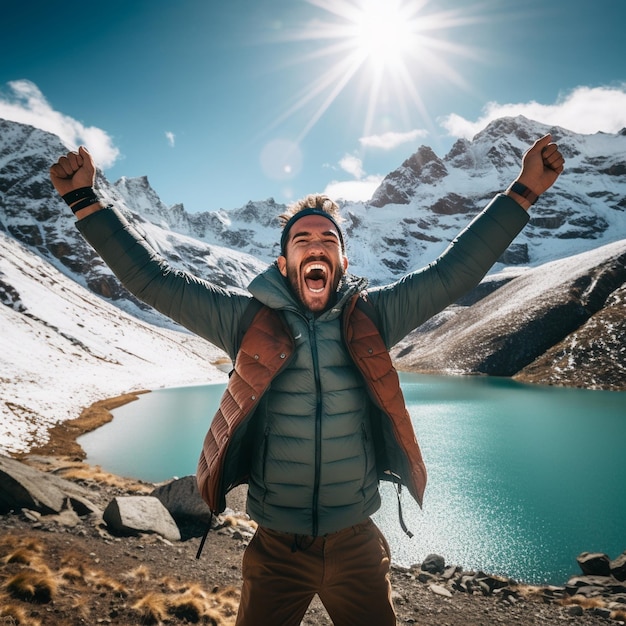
78,194
84,203
521,190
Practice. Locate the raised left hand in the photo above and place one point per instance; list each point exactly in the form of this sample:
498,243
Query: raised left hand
541,165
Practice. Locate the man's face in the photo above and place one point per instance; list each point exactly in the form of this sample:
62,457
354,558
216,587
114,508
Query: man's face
313,261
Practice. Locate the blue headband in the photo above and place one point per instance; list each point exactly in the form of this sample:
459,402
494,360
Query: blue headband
304,213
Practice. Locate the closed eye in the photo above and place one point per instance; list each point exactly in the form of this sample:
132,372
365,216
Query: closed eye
329,237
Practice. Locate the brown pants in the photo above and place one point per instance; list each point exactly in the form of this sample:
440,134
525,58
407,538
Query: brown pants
348,570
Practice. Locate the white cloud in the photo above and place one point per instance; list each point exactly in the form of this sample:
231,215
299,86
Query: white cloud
390,140
585,110
353,190
358,190
27,105
171,138
353,165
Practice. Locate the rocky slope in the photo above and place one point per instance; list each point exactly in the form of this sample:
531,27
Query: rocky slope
561,323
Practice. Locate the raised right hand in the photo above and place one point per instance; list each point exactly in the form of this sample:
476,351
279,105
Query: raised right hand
72,171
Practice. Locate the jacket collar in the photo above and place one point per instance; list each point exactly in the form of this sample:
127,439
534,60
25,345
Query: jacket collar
272,289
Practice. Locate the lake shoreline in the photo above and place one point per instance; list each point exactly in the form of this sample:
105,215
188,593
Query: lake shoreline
63,437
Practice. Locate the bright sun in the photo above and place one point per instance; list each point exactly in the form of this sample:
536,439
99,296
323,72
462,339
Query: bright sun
393,45
383,33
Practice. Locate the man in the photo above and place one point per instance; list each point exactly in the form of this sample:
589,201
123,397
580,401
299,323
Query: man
313,416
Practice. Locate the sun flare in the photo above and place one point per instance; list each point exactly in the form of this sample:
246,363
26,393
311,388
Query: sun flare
384,33
393,48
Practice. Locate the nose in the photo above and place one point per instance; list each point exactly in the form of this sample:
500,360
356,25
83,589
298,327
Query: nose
316,248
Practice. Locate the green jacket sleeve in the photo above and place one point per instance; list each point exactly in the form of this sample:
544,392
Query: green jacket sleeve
203,308
404,305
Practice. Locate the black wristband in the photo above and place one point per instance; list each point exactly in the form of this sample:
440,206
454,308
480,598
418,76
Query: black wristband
85,203
78,194
521,190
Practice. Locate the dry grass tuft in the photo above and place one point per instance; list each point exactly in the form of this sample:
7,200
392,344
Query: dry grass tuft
95,474
226,600
193,589
169,583
229,521
23,556
192,606
140,574
619,615
10,543
33,586
529,592
584,602
72,560
227,592
72,574
11,615
152,608
187,607
82,610
102,581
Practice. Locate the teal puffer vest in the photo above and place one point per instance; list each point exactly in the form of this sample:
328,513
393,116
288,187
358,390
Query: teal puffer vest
314,469
310,475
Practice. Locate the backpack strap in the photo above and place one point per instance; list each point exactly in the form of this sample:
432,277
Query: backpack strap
365,304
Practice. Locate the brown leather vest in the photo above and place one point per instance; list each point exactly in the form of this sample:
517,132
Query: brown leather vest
266,349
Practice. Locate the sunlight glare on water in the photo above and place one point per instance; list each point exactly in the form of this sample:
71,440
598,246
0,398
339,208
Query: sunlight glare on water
521,478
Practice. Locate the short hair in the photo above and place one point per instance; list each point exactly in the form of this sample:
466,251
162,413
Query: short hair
313,204
312,201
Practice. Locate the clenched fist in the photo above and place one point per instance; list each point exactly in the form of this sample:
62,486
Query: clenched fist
72,171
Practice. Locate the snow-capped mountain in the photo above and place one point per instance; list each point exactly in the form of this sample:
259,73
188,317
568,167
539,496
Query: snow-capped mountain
422,204
63,344
415,212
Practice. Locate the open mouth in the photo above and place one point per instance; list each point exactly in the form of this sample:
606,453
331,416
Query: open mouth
315,277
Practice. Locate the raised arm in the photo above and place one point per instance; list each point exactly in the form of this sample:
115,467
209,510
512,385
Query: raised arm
207,310
407,303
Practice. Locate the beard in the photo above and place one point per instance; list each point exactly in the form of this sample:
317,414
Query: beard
315,302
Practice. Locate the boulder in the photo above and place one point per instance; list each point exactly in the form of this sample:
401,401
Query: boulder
594,585
434,564
140,514
440,590
618,567
22,487
182,499
594,564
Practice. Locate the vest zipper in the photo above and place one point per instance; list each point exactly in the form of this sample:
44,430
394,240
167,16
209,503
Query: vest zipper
266,436
364,441
318,427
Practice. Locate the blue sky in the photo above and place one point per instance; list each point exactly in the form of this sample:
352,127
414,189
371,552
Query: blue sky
219,103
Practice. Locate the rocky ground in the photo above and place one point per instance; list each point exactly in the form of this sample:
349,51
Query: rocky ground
56,571
66,570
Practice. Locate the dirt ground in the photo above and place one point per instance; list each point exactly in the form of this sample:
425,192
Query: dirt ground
66,571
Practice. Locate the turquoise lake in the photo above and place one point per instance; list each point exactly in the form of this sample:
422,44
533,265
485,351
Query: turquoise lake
522,478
